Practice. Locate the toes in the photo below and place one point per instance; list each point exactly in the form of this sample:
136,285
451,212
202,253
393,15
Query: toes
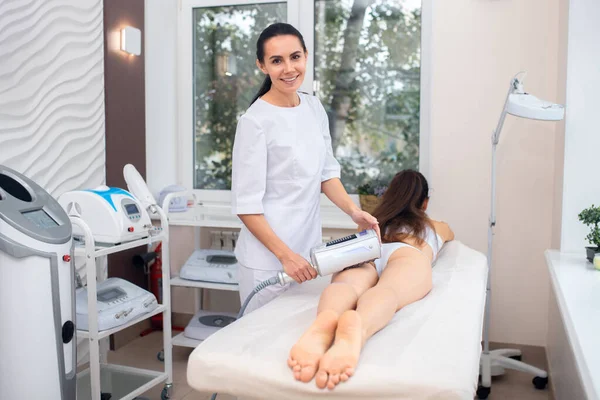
349,371
334,379
321,379
297,368
291,362
330,384
344,377
297,375
307,373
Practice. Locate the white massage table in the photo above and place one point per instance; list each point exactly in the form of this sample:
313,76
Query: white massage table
430,350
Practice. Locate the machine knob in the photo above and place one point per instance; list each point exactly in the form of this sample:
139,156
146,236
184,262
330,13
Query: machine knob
130,229
67,258
68,330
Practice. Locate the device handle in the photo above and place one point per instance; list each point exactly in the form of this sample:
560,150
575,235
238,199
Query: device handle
137,186
284,278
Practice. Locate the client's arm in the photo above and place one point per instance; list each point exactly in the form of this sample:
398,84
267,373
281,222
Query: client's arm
443,229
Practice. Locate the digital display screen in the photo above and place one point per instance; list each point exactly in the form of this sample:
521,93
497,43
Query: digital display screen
221,259
110,294
131,209
40,218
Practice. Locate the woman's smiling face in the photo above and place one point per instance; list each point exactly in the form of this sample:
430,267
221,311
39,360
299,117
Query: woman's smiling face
285,62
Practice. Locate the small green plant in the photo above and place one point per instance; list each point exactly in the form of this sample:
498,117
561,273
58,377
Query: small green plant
591,217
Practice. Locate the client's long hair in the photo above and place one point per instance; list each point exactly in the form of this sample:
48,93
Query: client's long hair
400,212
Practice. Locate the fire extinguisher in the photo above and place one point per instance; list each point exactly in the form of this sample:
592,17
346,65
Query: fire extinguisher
155,276
154,271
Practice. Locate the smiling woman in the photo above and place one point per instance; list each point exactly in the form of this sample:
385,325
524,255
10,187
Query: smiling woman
281,55
282,161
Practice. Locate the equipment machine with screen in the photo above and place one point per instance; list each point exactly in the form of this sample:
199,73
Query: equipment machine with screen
119,302
114,215
210,265
37,344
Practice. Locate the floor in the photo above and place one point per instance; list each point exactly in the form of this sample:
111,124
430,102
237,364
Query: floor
142,353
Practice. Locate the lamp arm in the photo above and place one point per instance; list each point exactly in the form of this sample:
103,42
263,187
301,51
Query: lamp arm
515,84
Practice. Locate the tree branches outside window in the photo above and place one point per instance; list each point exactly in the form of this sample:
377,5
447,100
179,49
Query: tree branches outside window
367,73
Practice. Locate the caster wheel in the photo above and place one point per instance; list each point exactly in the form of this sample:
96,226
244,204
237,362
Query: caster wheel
164,395
483,392
161,356
518,358
539,382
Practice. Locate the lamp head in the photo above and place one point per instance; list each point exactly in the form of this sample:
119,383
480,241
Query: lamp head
525,105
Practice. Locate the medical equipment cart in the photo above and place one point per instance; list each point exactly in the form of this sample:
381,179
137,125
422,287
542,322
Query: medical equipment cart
225,221
123,382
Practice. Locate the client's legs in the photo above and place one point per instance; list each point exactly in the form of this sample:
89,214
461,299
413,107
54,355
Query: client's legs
405,279
341,295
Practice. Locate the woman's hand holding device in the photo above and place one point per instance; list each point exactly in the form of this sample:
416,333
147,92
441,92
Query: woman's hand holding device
297,267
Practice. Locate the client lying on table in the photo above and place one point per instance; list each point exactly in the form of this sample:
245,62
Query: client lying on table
361,301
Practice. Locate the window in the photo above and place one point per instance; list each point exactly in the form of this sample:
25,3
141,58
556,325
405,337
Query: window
367,75
365,67
225,81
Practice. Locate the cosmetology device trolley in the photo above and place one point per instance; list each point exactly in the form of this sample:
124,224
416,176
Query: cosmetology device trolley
120,381
37,347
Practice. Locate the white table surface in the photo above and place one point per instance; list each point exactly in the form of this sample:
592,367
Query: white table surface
577,287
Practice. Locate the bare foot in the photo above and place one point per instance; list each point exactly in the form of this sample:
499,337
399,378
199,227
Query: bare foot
338,364
306,353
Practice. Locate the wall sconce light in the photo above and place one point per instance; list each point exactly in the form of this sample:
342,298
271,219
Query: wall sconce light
131,40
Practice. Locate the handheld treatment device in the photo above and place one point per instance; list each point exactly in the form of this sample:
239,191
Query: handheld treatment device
331,257
137,185
336,255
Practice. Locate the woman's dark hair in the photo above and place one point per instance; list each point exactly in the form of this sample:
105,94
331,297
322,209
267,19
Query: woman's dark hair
277,29
400,212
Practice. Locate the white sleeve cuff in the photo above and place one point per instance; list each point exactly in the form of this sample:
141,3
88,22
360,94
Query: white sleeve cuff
327,175
247,209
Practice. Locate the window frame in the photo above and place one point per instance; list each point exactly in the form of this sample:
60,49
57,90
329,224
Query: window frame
295,8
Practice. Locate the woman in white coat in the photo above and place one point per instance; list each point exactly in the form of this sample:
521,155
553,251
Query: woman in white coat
282,161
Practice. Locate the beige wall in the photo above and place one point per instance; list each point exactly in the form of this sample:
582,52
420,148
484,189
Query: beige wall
559,153
477,47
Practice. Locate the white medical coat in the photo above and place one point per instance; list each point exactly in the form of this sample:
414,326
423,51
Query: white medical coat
280,157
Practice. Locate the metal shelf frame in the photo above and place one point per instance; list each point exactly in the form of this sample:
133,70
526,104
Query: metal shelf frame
90,250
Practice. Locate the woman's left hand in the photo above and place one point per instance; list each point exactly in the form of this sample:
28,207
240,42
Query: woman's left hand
364,220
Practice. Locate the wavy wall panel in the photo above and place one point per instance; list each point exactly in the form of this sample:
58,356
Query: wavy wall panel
52,92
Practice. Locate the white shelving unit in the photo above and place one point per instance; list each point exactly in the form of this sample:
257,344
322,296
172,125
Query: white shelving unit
122,382
223,219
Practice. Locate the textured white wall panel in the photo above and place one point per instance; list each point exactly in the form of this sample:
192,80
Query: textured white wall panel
52,92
